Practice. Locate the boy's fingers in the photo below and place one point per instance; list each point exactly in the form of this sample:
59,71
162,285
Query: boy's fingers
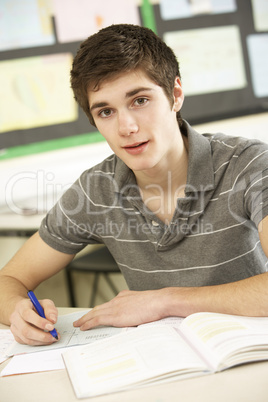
50,310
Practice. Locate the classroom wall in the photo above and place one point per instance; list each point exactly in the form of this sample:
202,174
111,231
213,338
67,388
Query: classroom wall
221,46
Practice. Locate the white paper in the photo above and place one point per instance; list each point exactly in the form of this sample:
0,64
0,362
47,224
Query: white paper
258,60
175,9
6,340
76,23
174,322
201,6
35,362
211,59
70,335
260,14
25,23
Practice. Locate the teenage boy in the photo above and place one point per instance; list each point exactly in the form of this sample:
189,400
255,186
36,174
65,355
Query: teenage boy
184,214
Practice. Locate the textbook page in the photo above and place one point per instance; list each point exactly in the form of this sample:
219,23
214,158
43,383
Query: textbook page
174,322
131,359
70,335
227,340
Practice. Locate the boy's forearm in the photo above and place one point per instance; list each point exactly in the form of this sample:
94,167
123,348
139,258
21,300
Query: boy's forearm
31,265
246,297
11,292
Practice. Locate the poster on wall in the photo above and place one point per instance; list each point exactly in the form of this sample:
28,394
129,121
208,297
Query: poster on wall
25,23
260,15
173,9
258,58
221,47
36,91
215,66
77,23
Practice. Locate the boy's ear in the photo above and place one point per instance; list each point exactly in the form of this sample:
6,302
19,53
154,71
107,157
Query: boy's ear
178,95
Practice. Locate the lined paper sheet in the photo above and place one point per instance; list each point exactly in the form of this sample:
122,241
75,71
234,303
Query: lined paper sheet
70,336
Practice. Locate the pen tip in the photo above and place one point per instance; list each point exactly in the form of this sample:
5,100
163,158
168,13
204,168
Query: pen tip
57,337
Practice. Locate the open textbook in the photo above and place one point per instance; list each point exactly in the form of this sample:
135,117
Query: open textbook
203,343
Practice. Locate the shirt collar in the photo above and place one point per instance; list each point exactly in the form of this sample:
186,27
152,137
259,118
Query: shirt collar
200,176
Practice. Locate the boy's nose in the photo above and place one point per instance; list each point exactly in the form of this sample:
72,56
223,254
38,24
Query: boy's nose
127,125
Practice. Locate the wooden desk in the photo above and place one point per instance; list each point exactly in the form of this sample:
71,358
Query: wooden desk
248,383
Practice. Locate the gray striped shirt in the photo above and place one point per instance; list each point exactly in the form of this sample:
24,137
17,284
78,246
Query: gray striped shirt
212,238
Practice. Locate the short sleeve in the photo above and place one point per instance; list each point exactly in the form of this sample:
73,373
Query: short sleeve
251,175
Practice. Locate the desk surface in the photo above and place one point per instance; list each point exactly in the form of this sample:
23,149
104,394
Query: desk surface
245,383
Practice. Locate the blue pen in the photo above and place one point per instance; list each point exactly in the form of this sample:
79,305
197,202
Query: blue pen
40,310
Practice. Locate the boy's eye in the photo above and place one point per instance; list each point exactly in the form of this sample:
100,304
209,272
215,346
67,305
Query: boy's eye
105,113
140,101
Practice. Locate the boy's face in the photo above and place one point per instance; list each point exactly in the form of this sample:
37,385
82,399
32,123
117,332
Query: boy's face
135,117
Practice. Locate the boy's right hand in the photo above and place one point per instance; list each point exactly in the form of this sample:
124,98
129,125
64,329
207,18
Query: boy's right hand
28,327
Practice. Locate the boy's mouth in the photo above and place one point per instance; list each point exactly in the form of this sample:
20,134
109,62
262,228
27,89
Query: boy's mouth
136,144
136,148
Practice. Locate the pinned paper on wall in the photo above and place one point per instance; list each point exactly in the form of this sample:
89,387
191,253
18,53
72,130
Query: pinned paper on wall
36,92
75,23
258,61
211,59
260,14
172,9
25,23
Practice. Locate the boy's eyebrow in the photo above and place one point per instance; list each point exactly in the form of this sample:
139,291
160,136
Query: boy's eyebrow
98,105
128,95
137,90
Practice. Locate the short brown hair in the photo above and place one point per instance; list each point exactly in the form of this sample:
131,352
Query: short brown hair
118,49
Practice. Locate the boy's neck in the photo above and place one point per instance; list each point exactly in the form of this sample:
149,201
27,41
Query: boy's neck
170,175
161,187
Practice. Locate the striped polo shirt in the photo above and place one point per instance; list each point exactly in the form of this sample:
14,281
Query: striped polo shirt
212,237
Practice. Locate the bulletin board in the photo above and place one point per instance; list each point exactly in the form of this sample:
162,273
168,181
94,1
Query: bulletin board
221,46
